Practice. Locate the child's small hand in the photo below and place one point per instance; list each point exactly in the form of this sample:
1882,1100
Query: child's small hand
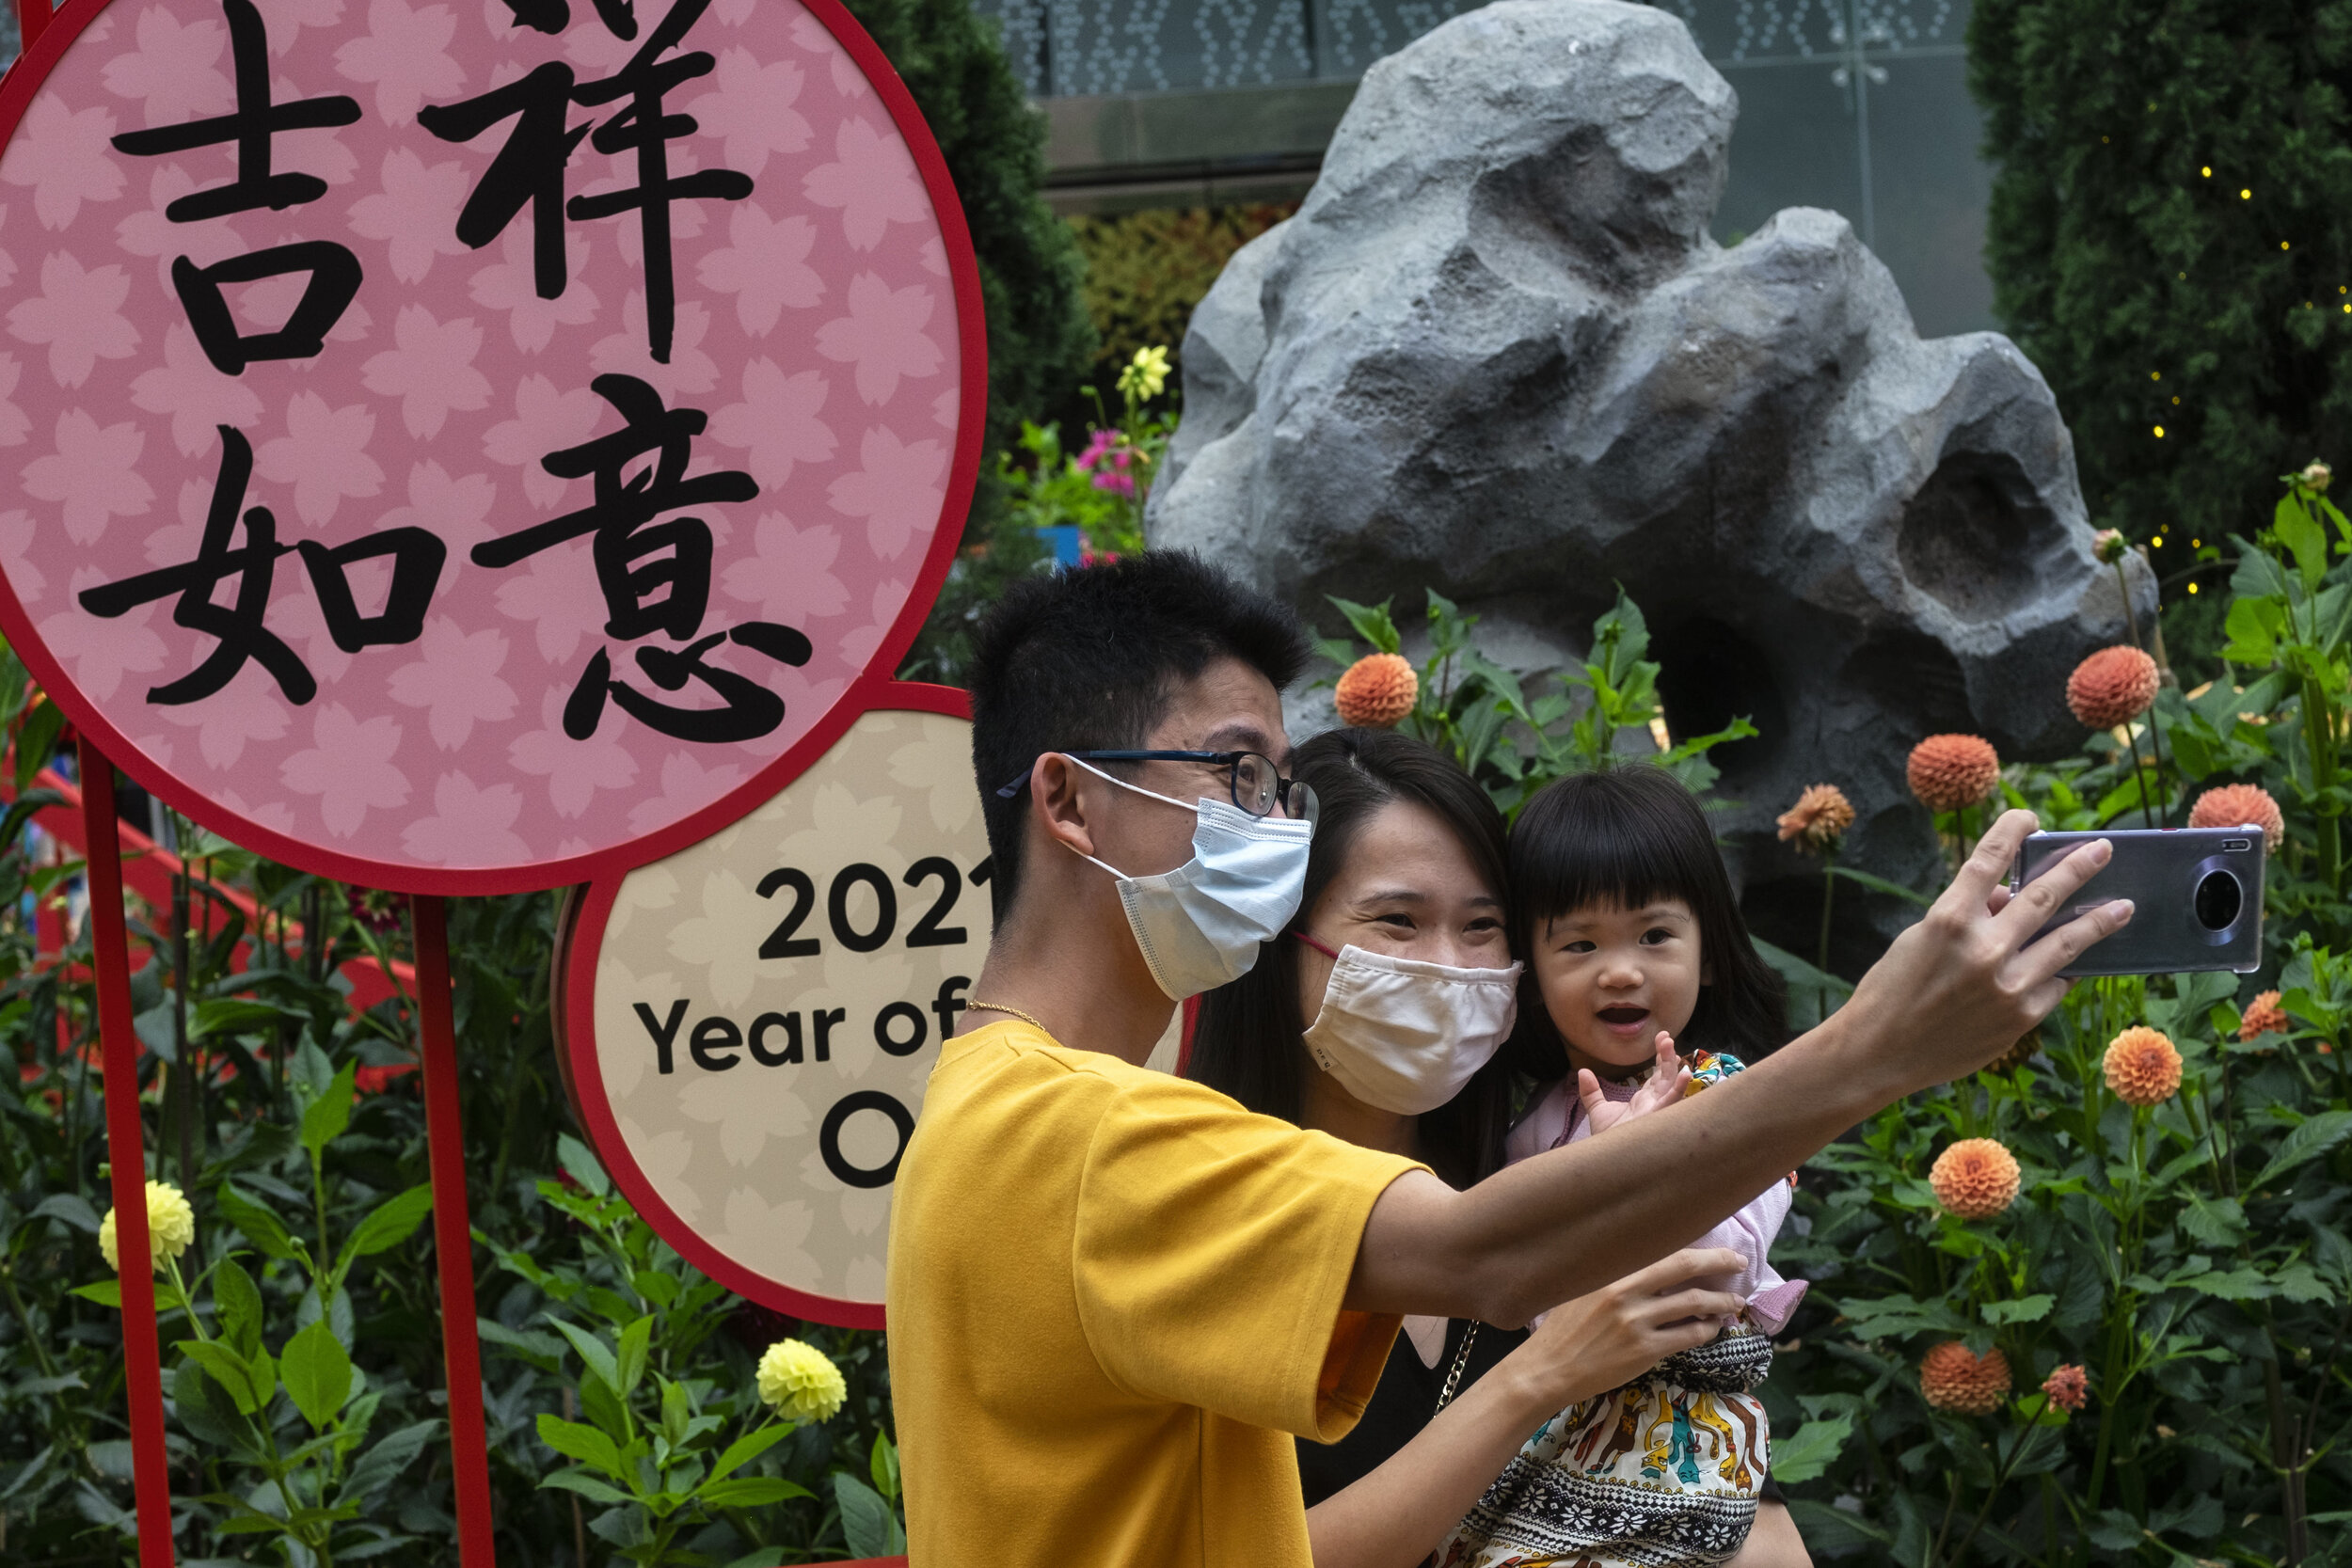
1666,1085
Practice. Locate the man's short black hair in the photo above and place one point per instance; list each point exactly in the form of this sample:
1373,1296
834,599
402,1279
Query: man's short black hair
1088,660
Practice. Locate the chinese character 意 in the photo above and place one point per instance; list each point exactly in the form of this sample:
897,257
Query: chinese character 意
654,571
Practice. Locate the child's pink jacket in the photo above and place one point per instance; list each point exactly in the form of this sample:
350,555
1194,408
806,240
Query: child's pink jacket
1558,1118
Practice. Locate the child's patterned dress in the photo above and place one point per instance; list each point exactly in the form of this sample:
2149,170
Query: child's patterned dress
1664,1471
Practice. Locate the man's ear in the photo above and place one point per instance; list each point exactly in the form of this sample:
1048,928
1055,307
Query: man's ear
1058,804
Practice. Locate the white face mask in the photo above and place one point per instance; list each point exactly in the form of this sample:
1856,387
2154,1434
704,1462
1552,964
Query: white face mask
1406,1035
1200,924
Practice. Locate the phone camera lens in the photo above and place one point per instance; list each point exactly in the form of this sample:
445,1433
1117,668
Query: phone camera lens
2218,901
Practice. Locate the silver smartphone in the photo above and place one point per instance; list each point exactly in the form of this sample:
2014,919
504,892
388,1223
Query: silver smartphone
2196,895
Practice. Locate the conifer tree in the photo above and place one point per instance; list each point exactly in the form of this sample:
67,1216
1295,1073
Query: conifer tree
1032,278
2170,242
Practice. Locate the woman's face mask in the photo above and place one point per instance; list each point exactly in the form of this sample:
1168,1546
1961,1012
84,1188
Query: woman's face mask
1202,924
1405,1035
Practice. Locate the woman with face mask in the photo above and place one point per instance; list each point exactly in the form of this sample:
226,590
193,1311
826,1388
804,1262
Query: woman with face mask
1378,1017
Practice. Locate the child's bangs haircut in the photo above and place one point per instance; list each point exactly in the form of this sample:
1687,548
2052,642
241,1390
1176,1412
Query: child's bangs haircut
1624,838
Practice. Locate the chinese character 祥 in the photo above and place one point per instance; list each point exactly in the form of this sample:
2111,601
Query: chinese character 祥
529,170
237,628
333,269
655,575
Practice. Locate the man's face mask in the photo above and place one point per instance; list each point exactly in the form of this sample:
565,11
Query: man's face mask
1200,924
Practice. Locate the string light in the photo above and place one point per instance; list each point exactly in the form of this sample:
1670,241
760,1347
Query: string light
2196,544
2282,244
2192,588
2206,171
2155,375
2176,402
2159,433
2246,196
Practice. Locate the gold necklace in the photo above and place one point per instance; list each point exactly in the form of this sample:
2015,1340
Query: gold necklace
978,1007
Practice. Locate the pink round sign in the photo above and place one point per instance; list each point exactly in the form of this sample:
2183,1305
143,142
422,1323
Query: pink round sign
467,447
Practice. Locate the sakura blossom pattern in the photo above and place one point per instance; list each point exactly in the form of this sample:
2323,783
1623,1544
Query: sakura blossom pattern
816,326
710,1148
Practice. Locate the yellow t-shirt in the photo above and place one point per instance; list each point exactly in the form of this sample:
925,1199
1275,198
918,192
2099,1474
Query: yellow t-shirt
1113,1296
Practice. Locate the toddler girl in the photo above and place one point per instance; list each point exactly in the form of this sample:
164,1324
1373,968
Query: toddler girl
1633,942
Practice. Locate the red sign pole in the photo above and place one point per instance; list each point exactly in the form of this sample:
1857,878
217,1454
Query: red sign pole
126,1149
453,1236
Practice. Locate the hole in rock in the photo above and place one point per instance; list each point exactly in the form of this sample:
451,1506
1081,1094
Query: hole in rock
1976,537
1710,675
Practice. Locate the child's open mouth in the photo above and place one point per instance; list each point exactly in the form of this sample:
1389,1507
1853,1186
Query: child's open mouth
1623,1018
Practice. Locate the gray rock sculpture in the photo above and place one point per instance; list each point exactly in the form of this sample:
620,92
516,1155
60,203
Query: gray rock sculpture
1497,354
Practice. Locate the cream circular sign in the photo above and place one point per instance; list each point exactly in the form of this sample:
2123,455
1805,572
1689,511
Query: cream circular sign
750,1022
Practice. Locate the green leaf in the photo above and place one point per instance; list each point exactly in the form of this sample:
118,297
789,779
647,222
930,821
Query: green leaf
593,1353
580,1441
233,1372
585,1484
866,1519
629,1364
753,1492
317,1373
391,1223
106,1293
1880,884
750,1447
2216,1222
325,1118
238,1302
1812,1448
2311,1138
259,1225
583,1166
207,1410
885,1466
2024,1310
2253,626
1372,623
386,1458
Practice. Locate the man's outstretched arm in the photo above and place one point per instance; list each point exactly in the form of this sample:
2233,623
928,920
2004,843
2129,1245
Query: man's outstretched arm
1952,993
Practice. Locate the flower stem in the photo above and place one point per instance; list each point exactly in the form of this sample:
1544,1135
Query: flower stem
1829,890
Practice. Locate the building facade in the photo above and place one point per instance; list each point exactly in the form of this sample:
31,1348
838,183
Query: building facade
1861,106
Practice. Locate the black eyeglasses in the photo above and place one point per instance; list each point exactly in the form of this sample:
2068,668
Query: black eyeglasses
1251,779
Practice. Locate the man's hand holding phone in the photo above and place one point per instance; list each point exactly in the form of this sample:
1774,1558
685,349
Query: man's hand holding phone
1960,988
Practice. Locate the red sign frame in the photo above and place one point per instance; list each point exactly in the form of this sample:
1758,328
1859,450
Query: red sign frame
18,88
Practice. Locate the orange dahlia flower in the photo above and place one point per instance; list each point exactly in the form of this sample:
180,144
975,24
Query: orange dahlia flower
1955,1379
2112,687
2240,805
1378,691
2263,1016
1819,819
2069,1388
1950,771
2142,1067
1975,1179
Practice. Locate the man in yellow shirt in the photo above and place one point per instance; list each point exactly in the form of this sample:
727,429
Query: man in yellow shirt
1114,1295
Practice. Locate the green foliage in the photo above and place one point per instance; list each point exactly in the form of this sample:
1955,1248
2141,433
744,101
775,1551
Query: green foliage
1146,272
1039,340
2190,1256
669,1451
2167,238
301,1330
1607,711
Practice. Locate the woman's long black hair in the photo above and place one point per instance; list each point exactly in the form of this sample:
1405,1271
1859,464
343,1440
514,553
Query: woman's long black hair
1625,837
1246,1041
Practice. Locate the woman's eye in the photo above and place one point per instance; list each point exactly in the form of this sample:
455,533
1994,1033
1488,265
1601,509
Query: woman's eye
1395,922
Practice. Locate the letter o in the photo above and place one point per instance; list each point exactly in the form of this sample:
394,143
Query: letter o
897,1047
829,1137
